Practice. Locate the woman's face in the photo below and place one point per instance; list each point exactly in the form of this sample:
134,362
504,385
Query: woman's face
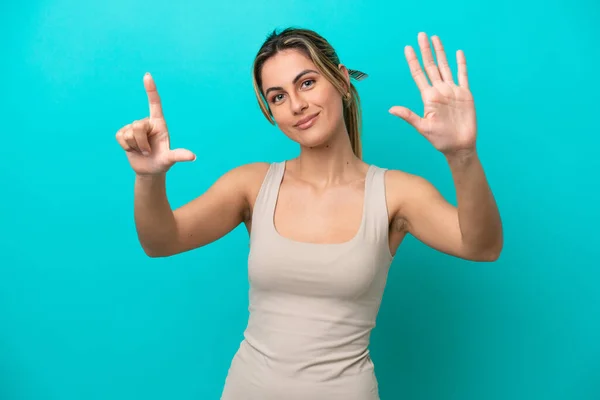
304,104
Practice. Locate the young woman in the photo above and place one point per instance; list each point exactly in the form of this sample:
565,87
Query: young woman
324,226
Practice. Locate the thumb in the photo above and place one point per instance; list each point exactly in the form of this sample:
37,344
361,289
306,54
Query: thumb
407,115
179,155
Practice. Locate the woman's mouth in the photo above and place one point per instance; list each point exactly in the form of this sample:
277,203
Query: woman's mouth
307,122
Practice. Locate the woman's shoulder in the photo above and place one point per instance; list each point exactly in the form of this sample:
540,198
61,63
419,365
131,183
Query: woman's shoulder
404,188
254,168
396,177
251,175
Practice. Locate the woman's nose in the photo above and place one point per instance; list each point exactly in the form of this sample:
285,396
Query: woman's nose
298,104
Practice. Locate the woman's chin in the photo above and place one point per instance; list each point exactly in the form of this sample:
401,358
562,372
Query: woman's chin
312,140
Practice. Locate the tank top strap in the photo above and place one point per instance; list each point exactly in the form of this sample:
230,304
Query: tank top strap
264,205
376,219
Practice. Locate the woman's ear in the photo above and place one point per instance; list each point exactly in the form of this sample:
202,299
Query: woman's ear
344,71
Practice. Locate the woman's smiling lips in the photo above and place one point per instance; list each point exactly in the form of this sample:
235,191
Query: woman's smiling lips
307,122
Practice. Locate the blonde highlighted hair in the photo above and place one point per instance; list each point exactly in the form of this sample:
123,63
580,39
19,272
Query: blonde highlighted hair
327,61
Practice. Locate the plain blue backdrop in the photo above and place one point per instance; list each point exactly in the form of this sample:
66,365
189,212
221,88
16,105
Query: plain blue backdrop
84,314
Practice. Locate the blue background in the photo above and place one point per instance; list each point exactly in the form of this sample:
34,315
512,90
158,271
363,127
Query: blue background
84,314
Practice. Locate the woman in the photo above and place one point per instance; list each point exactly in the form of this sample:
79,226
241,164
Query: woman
325,225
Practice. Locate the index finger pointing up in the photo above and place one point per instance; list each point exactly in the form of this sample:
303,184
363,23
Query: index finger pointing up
153,97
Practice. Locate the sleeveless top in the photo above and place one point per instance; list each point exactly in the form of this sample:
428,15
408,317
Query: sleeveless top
312,306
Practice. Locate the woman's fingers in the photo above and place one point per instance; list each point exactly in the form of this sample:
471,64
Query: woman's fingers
134,137
442,60
140,135
415,68
120,136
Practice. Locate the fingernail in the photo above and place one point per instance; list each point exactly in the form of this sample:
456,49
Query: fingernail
145,153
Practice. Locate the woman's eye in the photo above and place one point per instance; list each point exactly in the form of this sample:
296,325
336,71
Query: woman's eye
306,84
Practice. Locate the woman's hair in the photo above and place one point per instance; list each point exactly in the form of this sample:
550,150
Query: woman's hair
322,54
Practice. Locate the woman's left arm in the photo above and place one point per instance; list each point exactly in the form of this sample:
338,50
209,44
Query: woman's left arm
473,230
478,215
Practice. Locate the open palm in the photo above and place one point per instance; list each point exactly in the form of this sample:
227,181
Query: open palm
449,121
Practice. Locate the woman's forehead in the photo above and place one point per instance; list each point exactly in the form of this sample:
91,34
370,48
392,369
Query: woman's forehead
282,68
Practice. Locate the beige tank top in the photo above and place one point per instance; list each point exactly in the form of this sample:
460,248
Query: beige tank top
312,306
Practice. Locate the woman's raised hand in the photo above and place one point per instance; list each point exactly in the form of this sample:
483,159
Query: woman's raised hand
146,141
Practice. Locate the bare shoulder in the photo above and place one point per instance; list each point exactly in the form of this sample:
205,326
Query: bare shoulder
235,188
250,176
246,175
403,189
401,184
254,170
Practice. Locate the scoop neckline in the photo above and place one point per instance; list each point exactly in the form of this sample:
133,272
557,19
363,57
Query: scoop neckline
354,238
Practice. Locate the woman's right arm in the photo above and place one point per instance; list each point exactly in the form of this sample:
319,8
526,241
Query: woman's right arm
163,232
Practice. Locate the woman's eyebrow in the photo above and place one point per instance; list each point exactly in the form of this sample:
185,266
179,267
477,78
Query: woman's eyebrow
300,75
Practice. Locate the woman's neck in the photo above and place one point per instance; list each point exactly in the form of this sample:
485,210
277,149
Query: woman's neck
332,163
